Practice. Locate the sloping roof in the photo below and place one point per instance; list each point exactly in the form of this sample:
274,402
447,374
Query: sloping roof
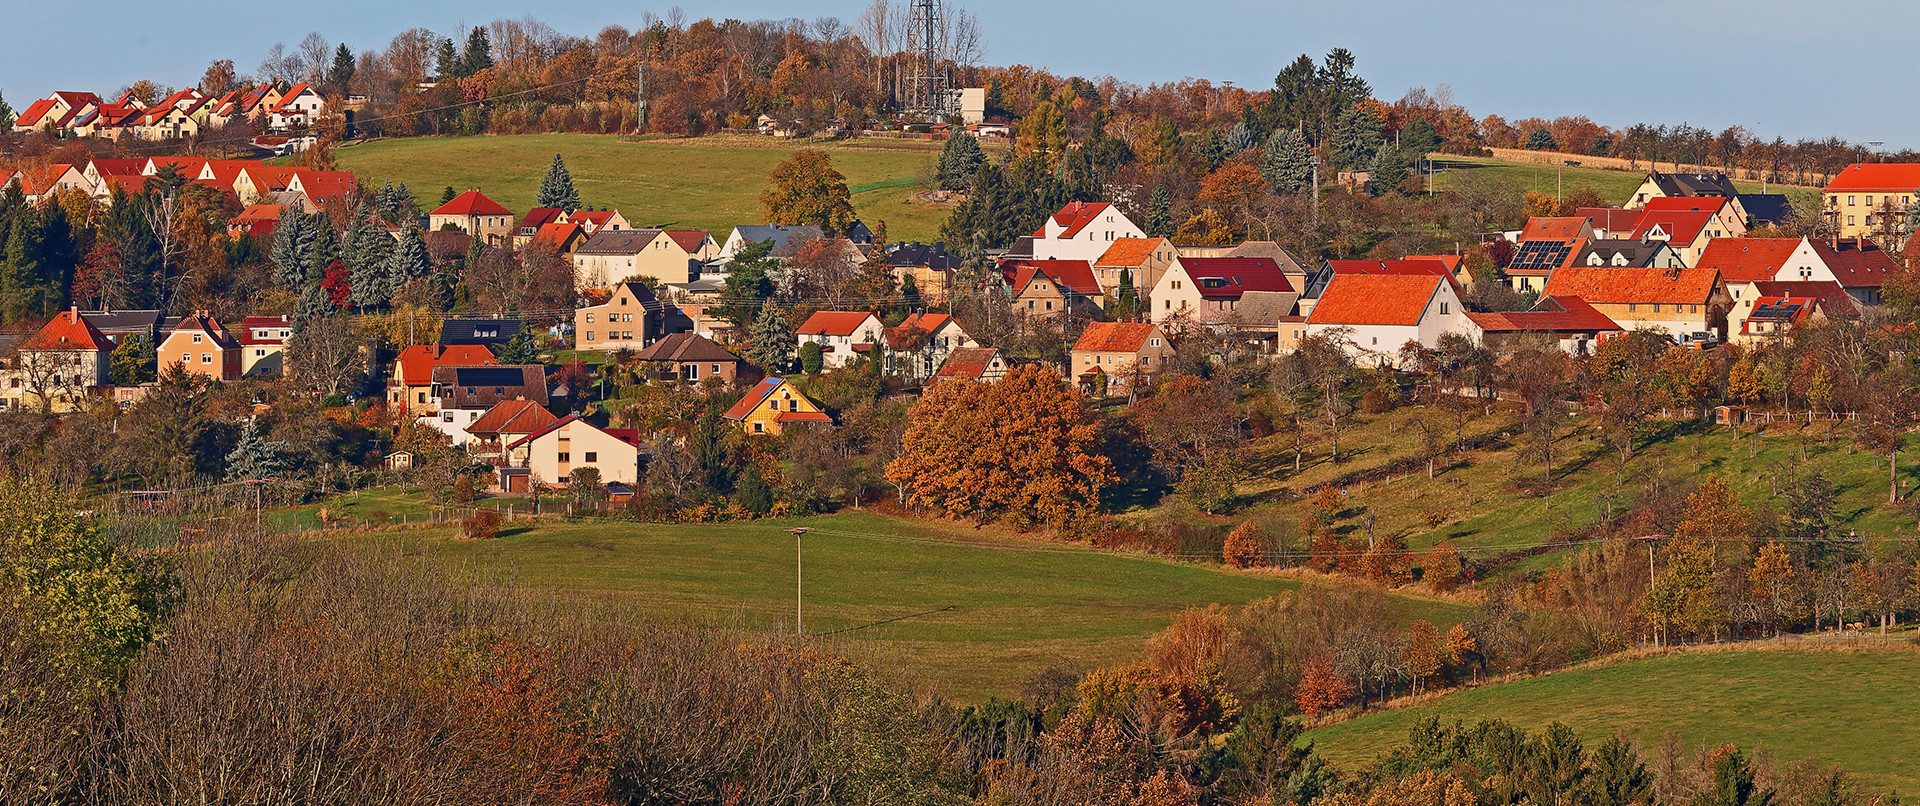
1552,314
322,185
967,362
1834,300
513,417
627,435
418,362
899,335
1129,252
1898,177
1262,309
274,325
1693,184
1073,275
472,202
1073,218
68,331
557,234
1767,208
205,323
478,331
1791,310
1409,266
1228,277
1555,228
1636,253
1685,204
1114,337
783,237
688,240
1682,226
1744,260
1375,299
135,321
1607,285
1856,262
480,387
31,116
539,217
685,347
932,256
764,390
1272,251
834,323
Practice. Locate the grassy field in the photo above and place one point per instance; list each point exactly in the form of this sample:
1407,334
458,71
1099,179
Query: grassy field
980,611
1614,186
1845,707
711,183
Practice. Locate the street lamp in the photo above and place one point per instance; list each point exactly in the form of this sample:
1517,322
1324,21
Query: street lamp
797,532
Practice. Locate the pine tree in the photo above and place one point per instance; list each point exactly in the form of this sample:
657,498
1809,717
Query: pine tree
406,209
20,273
6,114
365,251
1240,137
326,249
1356,136
1418,137
446,61
959,161
313,303
773,341
479,53
447,195
556,190
254,457
1287,164
407,260
1160,214
292,248
1541,140
1388,171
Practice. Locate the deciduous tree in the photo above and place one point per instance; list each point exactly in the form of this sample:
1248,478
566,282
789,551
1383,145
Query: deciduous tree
807,190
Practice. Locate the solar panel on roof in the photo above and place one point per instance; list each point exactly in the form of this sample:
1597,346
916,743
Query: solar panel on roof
489,376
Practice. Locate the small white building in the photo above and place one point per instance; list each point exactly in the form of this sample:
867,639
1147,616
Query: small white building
1382,312
1083,231
841,335
555,453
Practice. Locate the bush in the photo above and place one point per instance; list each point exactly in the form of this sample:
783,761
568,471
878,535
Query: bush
463,490
334,401
481,525
810,358
1244,548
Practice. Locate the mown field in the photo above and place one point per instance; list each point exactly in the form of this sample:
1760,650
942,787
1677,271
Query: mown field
711,183
1614,186
1845,707
981,611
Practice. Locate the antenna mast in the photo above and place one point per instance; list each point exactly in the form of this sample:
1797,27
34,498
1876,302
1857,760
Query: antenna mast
930,83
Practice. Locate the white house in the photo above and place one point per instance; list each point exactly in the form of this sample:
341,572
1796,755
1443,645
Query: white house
1382,312
918,346
1082,231
555,453
841,334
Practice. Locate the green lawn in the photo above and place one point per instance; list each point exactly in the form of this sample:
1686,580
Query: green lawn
1614,186
711,183
1016,605
1850,708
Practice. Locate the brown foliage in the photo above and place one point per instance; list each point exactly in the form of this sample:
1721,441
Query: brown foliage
1321,689
481,525
1244,548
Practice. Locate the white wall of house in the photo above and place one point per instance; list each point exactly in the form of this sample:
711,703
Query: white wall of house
1091,242
577,444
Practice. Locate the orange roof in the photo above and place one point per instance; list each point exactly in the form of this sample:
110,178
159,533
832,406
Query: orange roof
967,362
1128,252
1114,337
258,212
759,395
1550,315
557,234
834,323
472,202
513,417
69,331
289,97
35,181
34,111
1606,284
205,323
322,185
1375,299
417,362
1744,260
1553,229
1899,177
924,323
1452,262
1073,218
688,239
1074,275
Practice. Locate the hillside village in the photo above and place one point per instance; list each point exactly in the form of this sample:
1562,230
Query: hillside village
1448,433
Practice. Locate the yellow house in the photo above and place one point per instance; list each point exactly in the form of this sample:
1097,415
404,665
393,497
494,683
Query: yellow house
1860,196
476,215
772,406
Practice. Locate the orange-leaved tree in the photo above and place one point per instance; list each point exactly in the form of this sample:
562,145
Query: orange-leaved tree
1021,451
1321,689
1244,548
807,190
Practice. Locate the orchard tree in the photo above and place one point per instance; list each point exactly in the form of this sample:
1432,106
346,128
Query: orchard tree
807,190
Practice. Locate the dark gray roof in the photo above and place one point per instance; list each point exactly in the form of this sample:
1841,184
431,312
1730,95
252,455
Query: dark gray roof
490,332
783,237
1767,208
482,387
124,321
685,347
933,256
617,242
1694,184
858,233
1639,254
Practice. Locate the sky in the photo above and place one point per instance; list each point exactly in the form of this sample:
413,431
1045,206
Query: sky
1778,67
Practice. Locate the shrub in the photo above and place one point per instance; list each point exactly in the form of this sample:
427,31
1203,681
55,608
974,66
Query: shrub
1243,548
481,525
463,490
810,358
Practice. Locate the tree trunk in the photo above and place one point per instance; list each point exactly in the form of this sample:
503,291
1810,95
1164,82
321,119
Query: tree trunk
1893,477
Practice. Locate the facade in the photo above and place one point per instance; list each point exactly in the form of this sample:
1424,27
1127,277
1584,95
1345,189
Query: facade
982,364
1381,313
504,424
1209,289
263,345
1682,302
411,384
1864,193
1082,231
55,369
612,257
1659,185
930,267
1569,321
628,320
1687,232
693,358
553,454
918,346
773,406
1627,253
458,396
1143,260
1109,356
200,345
1050,288
476,215
841,335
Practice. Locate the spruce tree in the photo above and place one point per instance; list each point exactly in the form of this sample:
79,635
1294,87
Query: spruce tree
446,61
313,304
20,273
1356,136
1239,138
447,195
556,190
1541,140
367,248
959,161
254,457
520,349
326,249
1287,164
407,260
1419,138
406,209
773,340
292,250
1160,213
1388,171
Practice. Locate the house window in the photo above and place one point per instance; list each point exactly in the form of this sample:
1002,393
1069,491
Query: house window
589,319
1849,221
196,338
1849,201
759,428
566,457
257,353
1693,309
593,456
1443,309
1632,306
589,335
422,398
446,417
1656,307
186,358
716,369
1376,340
206,358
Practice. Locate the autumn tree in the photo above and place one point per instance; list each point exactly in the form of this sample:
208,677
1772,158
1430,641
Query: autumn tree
1321,689
1244,548
1770,580
807,190
1236,191
1426,654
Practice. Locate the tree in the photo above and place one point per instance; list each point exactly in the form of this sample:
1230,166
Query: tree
1770,579
1426,655
960,159
773,341
407,260
1541,140
1713,512
1244,548
7,116
807,190
1356,136
1321,689
520,349
133,361
292,249
1419,139
1236,192
1287,162
556,188
365,253
478,54
253,457
1555,771
1618,777
340,76
749,286
1388,171
1159,222
811,358
324,354
584,484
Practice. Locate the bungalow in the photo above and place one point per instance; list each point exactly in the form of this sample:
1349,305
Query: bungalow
982,364
1209,289
202,347
1108,356
457,396
1686,303
841,334
1049,288
628,320
504,424
692,358
476,215
1140,261
1082,231
1381,313
1569,321
257,221
56,368
263,344
556,452
920,344
412,381
772,406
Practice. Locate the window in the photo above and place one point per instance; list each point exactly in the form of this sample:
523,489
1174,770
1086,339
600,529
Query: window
1376,340
196,338
589,335
206,358
565,456
1153,342
1632,306
1849,221
1443,309
1693,309
186,358
593,456
1656,307
446,417
422,398
759,428
589,319
1849,201
716,369
1869,200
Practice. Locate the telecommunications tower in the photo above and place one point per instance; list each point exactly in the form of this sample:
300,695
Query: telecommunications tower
930,96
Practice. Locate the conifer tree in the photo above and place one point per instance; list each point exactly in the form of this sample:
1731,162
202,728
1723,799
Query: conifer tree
773,340
366,251
556,190
326,248
20,282
1356,136
406,260
1160,214
254,457
1287,164
520,349
292,250
959,161
313,304
1240,137
1388,171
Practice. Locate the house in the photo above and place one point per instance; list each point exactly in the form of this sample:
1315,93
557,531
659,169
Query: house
531,223
200,345
596,220
1772,318
1140,261
263,345
1383,312
1627,253
1767,209
1659,185
1686,303
55,112
982,364
1741,261
920,345
1862,194
772,406
1610,222
297,108
1049,288
1536,260
118,325
563,237
611,257
1858,264
1687,232
1082,231
1829,300
56,368
1208,289
929,266
1556,228
458,395
1109,356
492,332
504,424
841,334
1456,266
319,189
1569,321
556,452
1729,220
41,183
628,320
411,383
783,237
1317,284
257,221
693,358
476,215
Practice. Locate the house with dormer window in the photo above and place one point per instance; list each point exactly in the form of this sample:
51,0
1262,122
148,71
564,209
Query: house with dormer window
1083,231
773,406
1049,288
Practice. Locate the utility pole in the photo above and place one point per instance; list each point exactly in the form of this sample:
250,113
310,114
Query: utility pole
640,98
1316,193
798,533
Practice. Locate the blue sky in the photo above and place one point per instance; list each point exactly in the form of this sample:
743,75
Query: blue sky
1780,68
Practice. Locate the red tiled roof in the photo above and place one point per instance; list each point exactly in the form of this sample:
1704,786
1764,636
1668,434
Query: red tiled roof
1114,337
417,362
1550,315
557,233
1899,177
1073,275
1744,260
324,185
258,212
1129,252
1611,219
205,323
1686,204
1073,218
34,111
1792,309
803,417
1855,263
1556,228
627,435
1229,277
834,323
69,331
1407,266
513,417
1451,262
967,362
1611,285
252,323
899,335
1682,226
1834,300
539,217
688,239
1375,299
292,94
472,202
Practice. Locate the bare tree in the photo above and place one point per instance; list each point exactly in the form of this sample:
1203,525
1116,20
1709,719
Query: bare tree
325,354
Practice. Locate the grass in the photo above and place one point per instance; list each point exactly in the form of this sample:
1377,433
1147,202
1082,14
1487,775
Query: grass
1844,707
711,183
1614,186
981,611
